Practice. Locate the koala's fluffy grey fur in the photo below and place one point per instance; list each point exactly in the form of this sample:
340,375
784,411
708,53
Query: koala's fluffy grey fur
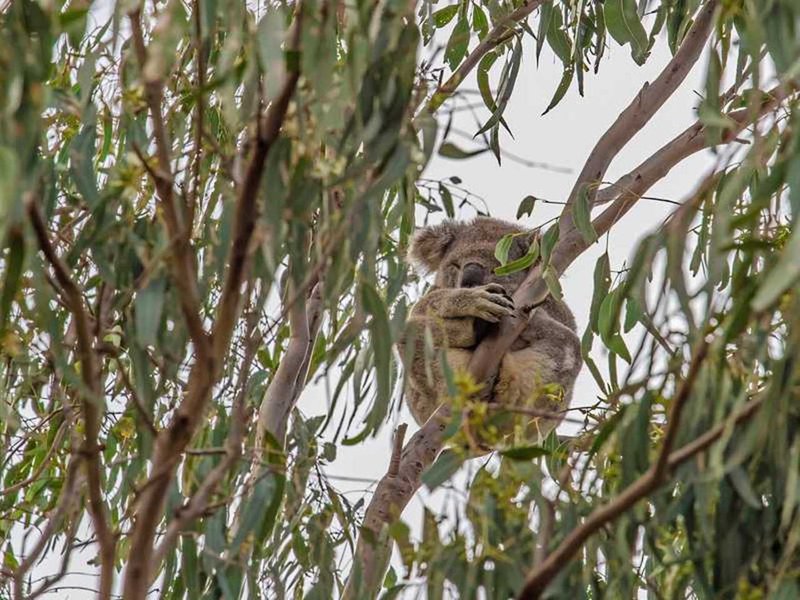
467,299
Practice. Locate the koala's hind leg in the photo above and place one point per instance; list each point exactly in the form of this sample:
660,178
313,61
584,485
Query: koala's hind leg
426,387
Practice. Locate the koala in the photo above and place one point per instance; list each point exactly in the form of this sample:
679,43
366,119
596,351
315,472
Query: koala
466,301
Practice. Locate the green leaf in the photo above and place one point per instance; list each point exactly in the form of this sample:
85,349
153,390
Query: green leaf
480,24
450,150
447,200
506,88
622,22
457,44
13,271
525,452
563,86
502,248
81,166
381,337
617,345
741,482
553,285
582,216
602,282
549,240
483,79
525,207
442,469
254,513
783,275
444,15
520,264
545,18
559,40
149,306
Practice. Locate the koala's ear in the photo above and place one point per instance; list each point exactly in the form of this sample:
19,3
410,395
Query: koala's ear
430,244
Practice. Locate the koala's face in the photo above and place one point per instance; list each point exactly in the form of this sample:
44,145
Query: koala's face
462,252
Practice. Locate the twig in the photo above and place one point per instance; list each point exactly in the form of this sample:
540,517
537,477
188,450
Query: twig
42,466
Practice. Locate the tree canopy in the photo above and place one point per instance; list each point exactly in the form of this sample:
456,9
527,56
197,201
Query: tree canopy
205,207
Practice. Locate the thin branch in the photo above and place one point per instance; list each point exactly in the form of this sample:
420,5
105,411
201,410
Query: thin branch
647,483
55,445
67,501
198,504
246,213
689,142
287,383
687,451
495,37
91,398
183,262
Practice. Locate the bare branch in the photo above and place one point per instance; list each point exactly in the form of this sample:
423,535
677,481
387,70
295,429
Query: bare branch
641,109
287,383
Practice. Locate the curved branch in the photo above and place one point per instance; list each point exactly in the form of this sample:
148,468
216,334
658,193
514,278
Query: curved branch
641,109
172,441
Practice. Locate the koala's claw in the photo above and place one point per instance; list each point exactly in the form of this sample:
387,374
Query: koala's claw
492,303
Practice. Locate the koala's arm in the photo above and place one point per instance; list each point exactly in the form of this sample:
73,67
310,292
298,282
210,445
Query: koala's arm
450,313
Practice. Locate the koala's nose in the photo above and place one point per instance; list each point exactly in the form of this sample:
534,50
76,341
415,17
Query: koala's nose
472,275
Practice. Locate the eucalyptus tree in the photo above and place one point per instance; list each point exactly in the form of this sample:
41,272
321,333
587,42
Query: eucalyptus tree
205,208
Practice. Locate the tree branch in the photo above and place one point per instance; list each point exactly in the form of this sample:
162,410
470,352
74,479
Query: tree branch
246,211
172,441
647,483
641,109
183,264
199,502
496,36
287,383
92,401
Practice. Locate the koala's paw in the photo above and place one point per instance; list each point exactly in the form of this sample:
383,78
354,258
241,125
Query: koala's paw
489,302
